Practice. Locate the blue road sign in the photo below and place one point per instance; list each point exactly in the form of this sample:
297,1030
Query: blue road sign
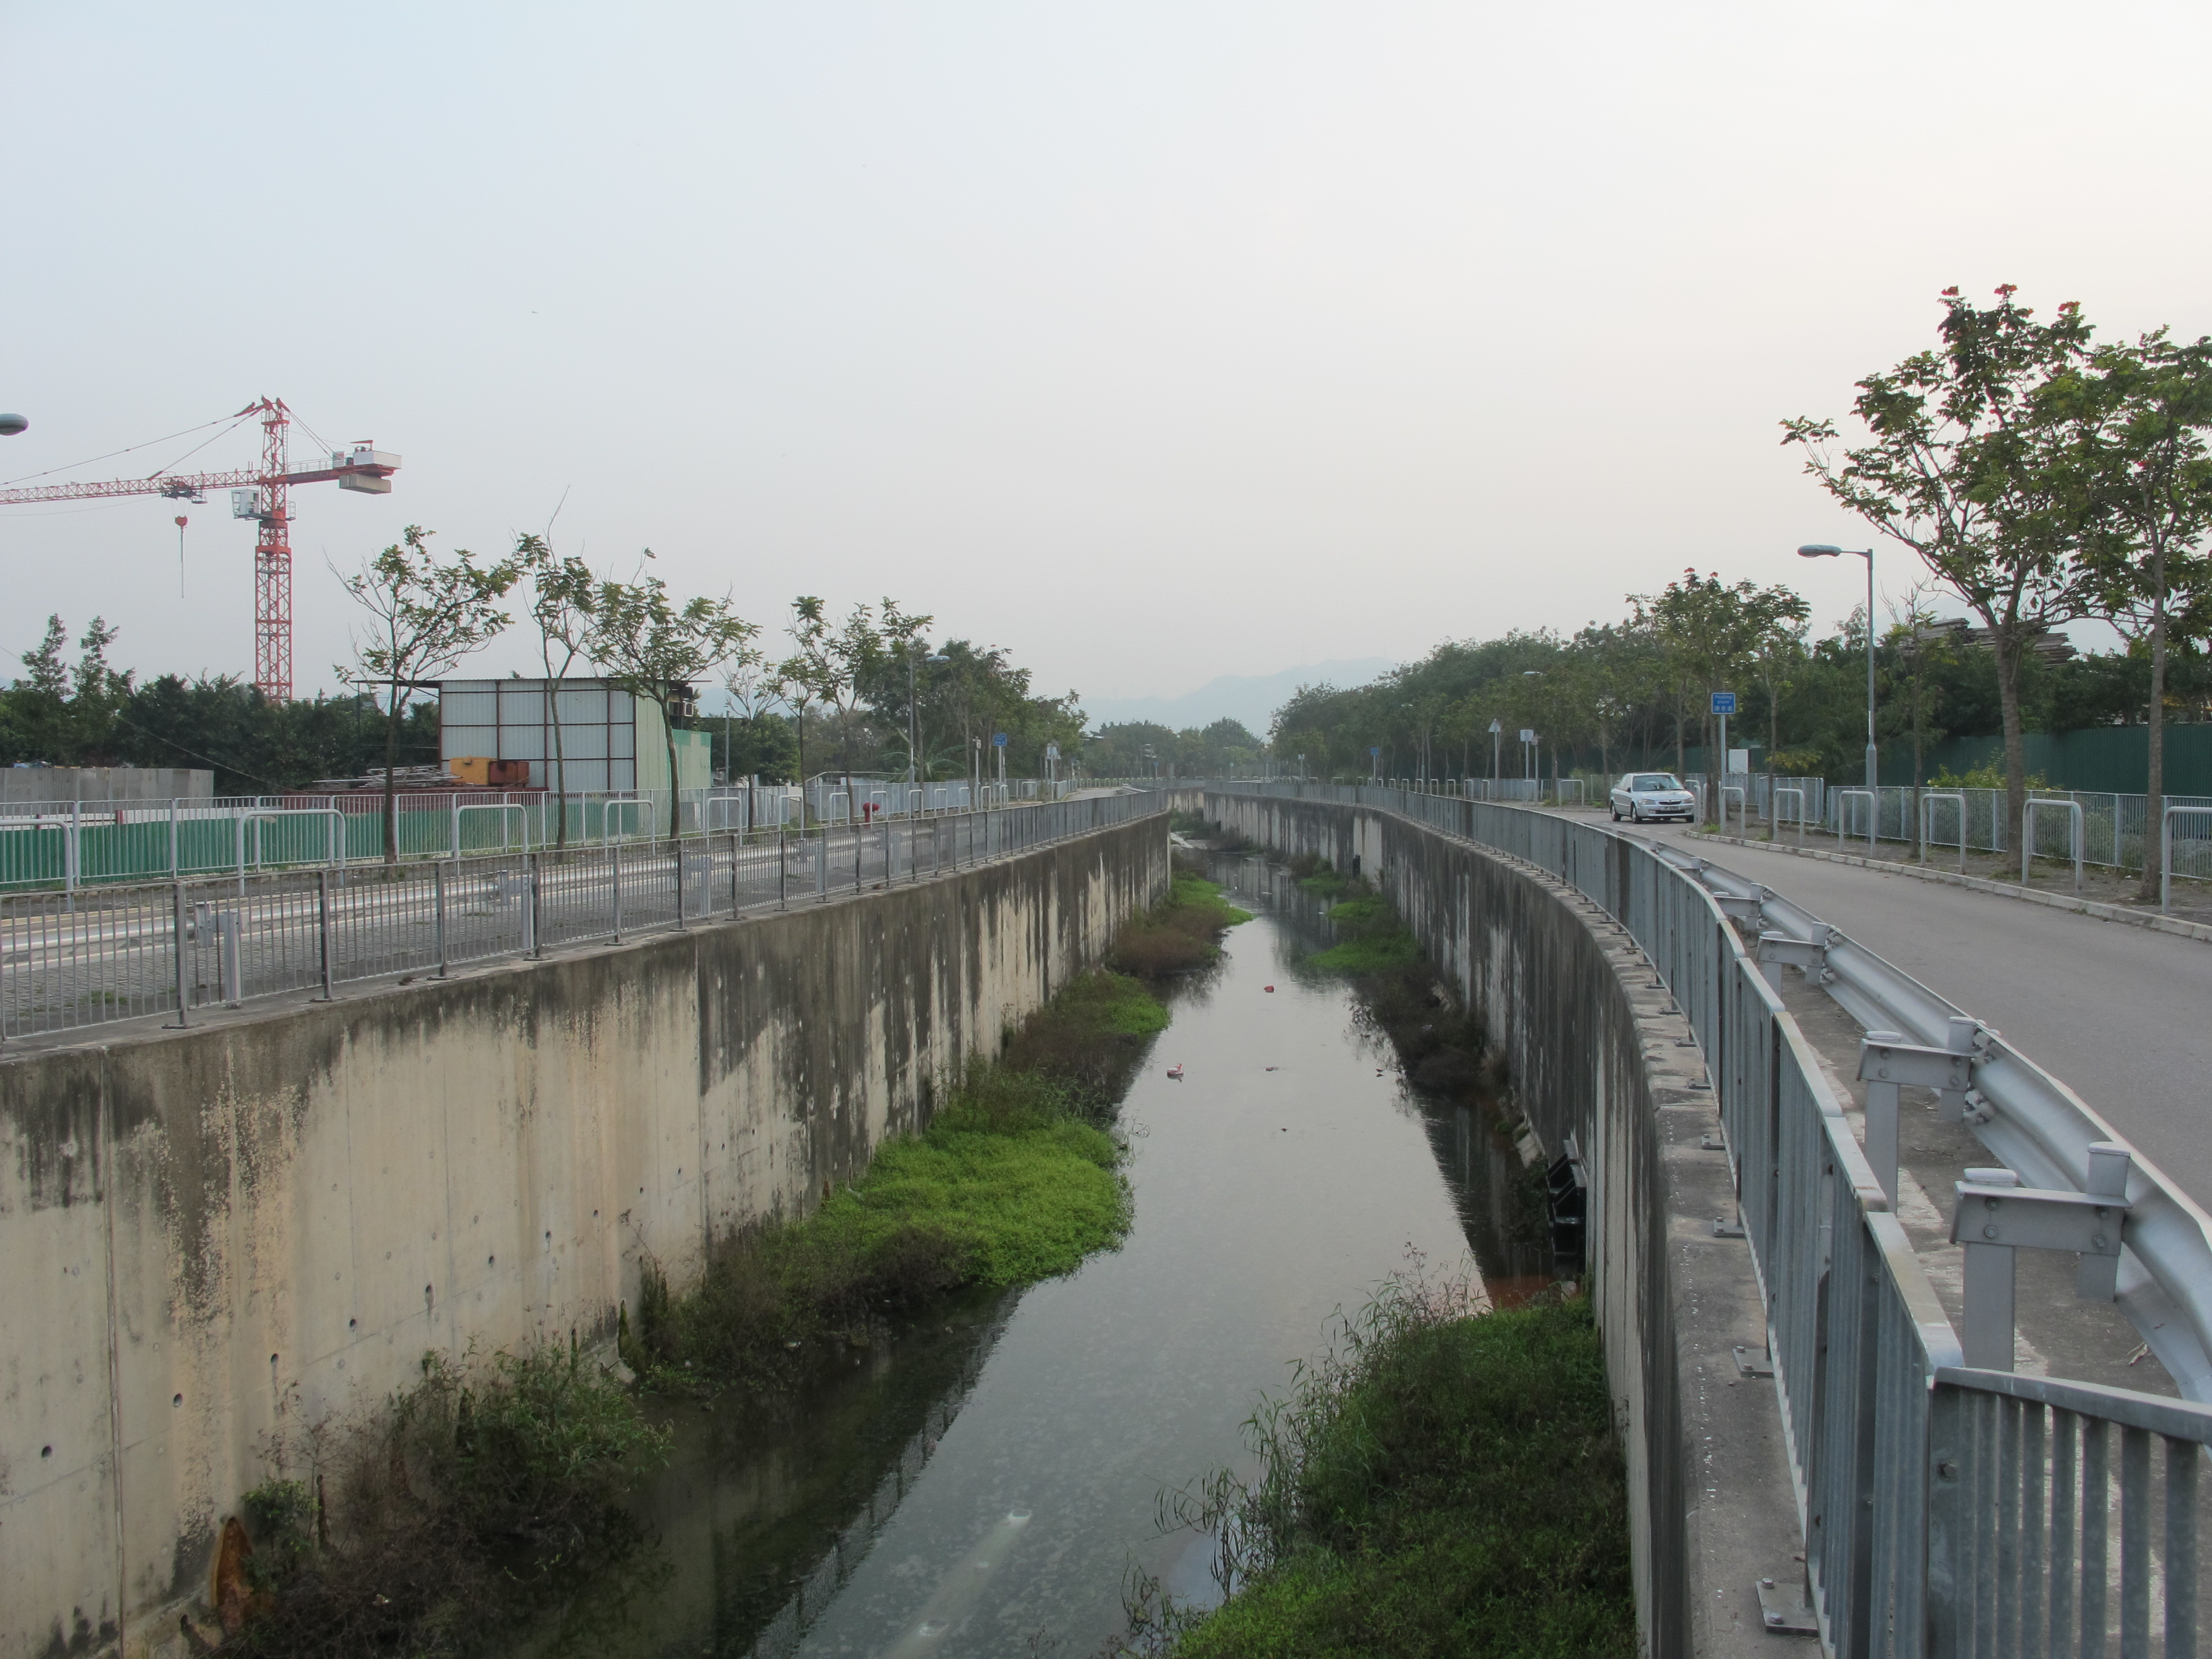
1375,750
999,740
1725,702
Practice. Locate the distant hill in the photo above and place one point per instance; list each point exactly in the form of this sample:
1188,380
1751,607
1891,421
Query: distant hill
1250,698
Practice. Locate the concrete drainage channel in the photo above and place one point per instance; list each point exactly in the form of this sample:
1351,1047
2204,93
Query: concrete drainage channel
1950,1500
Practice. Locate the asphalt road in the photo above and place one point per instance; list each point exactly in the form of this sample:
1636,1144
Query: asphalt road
2122,1014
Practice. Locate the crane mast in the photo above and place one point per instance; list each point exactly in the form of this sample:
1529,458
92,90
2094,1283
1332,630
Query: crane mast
263,494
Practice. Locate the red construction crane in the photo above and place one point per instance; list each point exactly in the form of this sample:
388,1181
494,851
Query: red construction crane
258,493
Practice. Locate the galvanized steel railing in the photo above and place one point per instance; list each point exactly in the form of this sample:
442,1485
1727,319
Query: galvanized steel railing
1948,1511
72,960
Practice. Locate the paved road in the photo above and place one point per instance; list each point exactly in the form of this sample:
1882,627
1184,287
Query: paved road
2122,1014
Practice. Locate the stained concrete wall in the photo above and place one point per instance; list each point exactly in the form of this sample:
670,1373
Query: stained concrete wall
209,1235
1597,1051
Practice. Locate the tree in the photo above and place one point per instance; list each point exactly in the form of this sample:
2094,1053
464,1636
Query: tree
902,643
563,598
659,651
2138,421
426,616
1708,633
1919,645
1962,467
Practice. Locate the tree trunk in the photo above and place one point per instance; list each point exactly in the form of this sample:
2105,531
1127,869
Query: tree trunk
2009,643
2154,804
675,805
391,784
560,768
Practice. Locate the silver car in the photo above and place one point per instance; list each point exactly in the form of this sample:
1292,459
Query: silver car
1652,795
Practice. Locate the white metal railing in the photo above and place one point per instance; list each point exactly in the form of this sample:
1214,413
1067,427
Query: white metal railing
1978,1500
2116,829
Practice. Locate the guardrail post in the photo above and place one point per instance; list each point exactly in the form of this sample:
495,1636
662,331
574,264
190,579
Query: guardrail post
1887,1061
821,869
324,935
614,859
2109,1164
781,878
172,838
530,920
177,942
438,912
1962,1037
1779,951
1882,1100
1996,1215
1985,1333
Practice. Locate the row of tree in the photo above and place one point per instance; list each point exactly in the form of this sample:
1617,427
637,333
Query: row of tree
2040,477
1637,693
869,684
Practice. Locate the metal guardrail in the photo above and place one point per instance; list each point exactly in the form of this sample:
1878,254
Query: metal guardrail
1948,1511
75,844
72,961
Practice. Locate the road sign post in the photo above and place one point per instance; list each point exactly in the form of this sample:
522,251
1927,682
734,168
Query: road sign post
1723,706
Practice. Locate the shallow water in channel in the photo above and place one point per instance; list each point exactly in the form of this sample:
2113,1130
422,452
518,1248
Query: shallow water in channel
984,1482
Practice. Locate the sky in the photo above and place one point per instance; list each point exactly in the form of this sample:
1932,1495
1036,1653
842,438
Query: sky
1154,342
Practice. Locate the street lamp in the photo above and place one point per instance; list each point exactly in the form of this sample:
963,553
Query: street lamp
13,426
1822,550
913,719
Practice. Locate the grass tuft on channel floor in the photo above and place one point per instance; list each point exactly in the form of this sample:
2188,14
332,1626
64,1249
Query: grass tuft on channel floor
1442,1483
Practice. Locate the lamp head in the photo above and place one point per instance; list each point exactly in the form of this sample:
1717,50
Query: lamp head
13,426
1819,550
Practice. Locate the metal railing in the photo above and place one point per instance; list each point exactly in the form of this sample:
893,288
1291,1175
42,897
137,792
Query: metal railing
72,960
1948,1511
75,844
2113,830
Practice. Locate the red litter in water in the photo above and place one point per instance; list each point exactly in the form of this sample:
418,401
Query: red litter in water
1271,988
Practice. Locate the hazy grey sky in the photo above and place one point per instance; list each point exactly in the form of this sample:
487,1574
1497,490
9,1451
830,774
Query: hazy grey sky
1155,342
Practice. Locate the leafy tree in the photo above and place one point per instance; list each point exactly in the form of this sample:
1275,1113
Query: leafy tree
2137,420
1913,694
1964,466
424,617
660,651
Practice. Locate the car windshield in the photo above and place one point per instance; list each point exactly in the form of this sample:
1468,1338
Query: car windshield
1644,782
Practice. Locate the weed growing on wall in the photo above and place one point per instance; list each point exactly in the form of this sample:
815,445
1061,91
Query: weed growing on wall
1441,1481
445,1519
1016,1179
1013,1182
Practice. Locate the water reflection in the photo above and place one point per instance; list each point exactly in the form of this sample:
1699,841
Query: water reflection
983,1485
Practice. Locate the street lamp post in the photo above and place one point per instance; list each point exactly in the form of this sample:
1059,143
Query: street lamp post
913,719
1823,550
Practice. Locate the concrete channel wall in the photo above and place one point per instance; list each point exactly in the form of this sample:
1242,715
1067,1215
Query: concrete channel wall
1601,1062
211,1236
